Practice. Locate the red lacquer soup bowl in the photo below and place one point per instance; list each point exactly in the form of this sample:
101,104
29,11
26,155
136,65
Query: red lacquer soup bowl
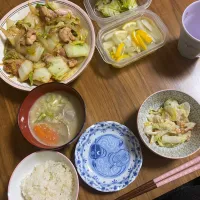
23,115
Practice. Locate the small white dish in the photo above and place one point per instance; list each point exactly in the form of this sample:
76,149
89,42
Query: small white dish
27,165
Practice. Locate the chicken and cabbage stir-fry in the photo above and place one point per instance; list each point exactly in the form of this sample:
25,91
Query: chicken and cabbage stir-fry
47,45
169,126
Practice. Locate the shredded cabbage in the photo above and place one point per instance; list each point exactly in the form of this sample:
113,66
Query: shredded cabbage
114,7
169,125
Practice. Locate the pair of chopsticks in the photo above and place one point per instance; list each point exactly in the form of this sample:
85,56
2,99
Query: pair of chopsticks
168,177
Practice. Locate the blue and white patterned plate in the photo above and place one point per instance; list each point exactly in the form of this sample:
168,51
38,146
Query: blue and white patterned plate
108,156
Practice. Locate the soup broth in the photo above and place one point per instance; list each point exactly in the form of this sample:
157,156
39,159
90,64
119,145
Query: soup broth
55,118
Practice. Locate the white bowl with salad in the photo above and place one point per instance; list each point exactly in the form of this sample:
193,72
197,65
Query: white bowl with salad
44,41
168,123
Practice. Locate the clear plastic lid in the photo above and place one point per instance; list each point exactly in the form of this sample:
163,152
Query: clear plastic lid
101,20
108,28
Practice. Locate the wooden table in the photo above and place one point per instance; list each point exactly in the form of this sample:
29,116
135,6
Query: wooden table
111,94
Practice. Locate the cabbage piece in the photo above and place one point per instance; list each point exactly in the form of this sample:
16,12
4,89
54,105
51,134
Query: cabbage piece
22,24
172,112
107,45
57,67
186,107
42,75
108,36
32,20
25,69
172,103
12,54
12,34
52,5
38,65
189,126
129,4
33,9
111,9
35,52
9,23
49,43
74,51
147,24
175,139
30,77
155,118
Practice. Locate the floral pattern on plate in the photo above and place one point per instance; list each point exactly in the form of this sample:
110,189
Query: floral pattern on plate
108,156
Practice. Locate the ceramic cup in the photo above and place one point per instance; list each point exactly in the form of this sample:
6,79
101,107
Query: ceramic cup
189,41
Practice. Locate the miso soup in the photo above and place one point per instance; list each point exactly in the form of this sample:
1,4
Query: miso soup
55,118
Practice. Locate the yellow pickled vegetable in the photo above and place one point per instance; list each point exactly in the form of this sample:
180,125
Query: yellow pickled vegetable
141,42
134,38
119,50
145,36
122,57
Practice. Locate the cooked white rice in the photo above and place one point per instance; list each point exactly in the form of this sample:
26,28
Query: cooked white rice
48,181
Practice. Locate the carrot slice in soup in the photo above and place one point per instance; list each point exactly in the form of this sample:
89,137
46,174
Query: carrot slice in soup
46,134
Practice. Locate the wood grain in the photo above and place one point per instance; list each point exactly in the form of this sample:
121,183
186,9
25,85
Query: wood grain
111,94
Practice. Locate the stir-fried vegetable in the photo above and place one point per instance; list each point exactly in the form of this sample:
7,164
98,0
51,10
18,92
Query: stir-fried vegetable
169,125
46,45
114,7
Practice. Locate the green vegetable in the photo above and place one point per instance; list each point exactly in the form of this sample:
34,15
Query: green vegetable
57,67
9,23
30,77
35,52
114,7
12,54
39,5
22,24
52,5
31,19
129,4
42,75
76,50
41,117
111,9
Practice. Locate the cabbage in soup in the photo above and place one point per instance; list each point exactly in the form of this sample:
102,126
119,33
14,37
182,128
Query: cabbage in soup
55,118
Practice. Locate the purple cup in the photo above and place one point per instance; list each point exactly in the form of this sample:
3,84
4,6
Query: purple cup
189,41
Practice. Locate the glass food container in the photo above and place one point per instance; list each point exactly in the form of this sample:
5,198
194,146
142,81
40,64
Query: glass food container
119,23
102,20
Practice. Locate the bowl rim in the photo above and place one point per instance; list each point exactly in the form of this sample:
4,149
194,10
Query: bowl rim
160,91
60,154
78,132
17,84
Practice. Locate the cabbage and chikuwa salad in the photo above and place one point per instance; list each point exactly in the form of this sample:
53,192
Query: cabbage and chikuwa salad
47,45
169,126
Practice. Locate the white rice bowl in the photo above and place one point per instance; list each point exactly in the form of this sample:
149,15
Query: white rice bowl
49,181
44,169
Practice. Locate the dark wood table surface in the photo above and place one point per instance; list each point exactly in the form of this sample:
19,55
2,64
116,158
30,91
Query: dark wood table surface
111,94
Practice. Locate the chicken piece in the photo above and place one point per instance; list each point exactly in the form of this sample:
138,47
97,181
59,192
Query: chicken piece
22,41
30,37
12,66
46,56
62,12
66,35
60,52
72,62
47,14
